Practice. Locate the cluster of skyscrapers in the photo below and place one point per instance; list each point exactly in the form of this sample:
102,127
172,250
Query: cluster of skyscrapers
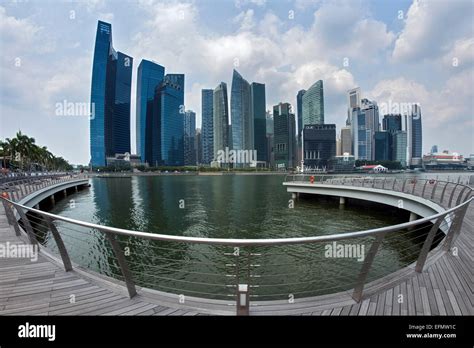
166,133
399,138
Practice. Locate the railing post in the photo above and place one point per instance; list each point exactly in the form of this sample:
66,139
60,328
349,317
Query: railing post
414,185
452,195
27,224
60,243
404,183
394,182
434,189
11,217
459,200
427,245
383,183
455,227
127,275
364,272
442,193
424,188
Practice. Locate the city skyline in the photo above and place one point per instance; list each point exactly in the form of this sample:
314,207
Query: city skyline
395,76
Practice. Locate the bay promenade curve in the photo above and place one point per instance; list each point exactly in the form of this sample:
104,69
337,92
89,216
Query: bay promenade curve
436,281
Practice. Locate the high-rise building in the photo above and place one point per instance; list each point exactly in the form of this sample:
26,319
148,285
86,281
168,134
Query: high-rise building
319,144
110,97
168,113
434,149
198,146
353,102
392,123
400,147
361,135
416,136
383,142
258,114
220,119
207,132
299,113
346,140
313,104
189,138
150,75
284,136
269,133
371,111
241,118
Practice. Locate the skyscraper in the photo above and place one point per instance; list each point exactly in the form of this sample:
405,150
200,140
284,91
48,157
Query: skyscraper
299,113
207,131
269,132
400,147
354,102
168,111
319,144
241,118
150,75
371,111
346,140
383,142
392,123
258,114
284,136
190,138
417,136
220,119
361,135
110,96
313,104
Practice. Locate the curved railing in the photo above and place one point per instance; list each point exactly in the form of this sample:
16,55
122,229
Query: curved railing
243,272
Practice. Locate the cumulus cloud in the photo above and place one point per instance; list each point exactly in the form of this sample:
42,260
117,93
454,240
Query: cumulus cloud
427,35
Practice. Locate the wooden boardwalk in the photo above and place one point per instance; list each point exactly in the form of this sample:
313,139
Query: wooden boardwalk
445,287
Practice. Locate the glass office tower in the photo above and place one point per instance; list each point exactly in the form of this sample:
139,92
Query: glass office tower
221,119
313,104
150,75
110,95
168,111
258,114
242,124
189,138
207,131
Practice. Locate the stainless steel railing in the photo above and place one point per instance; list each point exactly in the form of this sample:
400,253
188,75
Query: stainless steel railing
243,272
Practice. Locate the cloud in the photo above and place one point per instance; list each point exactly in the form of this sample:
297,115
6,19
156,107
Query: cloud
245,19
243,3
426,35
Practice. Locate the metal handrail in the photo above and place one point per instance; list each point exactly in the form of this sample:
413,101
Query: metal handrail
452,217
242,242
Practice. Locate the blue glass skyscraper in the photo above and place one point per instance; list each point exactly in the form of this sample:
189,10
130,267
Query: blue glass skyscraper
258,115
110,95
150,75
207,131
189,138
242,123
168,114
